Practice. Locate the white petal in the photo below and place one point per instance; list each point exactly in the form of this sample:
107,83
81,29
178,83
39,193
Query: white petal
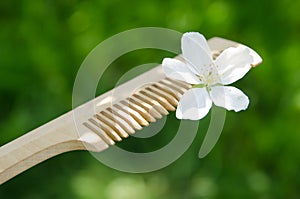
256,58
229,97
233,64
199,39
194,104
176,69
195,51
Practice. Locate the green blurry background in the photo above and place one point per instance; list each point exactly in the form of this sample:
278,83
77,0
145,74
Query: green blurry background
42,44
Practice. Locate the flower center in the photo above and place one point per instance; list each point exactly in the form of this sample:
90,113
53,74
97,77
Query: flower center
212,78
209,75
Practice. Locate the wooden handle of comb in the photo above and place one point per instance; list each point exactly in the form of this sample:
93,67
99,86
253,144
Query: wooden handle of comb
51,139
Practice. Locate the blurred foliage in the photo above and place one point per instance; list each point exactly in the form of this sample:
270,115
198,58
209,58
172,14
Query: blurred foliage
42,44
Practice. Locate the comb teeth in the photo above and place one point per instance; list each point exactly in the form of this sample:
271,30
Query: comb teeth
131,114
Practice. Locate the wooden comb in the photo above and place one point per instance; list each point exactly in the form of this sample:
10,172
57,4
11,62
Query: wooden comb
102,121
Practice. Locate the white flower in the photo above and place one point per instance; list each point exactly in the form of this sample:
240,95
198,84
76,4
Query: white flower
209,76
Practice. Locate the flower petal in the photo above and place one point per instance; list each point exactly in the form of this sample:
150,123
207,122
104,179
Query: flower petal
194,104
233,64
229,97
199,39
176,69
196,51
256,58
